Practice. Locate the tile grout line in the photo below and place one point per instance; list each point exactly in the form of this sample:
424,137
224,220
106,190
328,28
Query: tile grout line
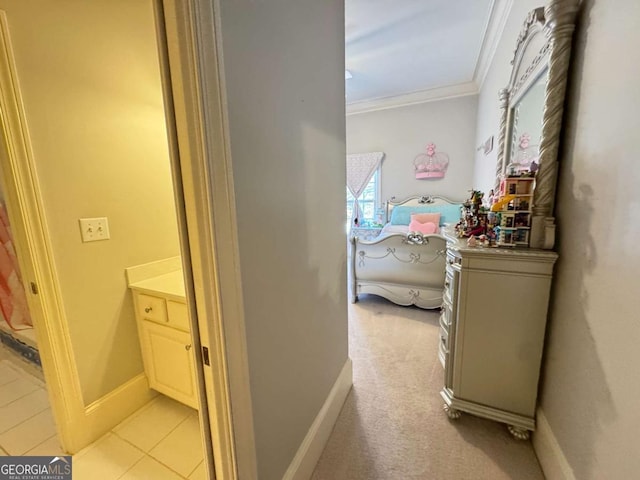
169,433
31,392
55,435
19,398
22,373
148,454
132,466
136,414
191,473
25,420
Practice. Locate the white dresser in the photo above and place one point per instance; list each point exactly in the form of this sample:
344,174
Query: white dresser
165,338
492,330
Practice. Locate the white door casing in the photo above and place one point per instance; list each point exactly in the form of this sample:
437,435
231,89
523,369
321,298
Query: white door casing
195,100
204,193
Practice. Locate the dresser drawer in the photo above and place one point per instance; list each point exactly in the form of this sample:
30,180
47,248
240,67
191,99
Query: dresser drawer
444,339
445,317
450,285
151,308
443,355
178,315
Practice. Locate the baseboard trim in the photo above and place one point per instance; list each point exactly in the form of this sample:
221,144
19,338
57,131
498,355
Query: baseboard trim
108,411
551,457
311,448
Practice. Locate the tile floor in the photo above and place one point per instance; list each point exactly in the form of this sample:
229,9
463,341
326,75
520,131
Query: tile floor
159,441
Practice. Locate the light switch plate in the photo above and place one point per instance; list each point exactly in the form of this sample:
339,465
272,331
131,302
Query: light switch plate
94,229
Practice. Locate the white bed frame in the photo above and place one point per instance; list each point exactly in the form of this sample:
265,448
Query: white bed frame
407,269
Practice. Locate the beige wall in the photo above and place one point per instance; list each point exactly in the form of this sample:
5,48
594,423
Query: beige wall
90,83
403,133
590,386
284,64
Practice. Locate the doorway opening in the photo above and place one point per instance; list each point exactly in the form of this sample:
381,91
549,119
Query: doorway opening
97,162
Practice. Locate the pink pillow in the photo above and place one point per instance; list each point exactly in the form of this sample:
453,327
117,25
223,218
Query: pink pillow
424,228
426,217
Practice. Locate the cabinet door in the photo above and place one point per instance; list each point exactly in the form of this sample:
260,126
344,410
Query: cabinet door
169,362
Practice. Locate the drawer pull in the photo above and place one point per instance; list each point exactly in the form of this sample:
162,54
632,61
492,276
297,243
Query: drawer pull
148,310
187,347
447,284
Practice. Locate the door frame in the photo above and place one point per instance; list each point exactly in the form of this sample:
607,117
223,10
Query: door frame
203,187
193,82
29,228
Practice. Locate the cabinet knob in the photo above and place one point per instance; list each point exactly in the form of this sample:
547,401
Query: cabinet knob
446,284
187,347
148,310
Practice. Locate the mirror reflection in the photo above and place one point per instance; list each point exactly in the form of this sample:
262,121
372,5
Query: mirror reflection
526,129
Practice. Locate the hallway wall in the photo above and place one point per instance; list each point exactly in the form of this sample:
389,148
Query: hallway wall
590,384
90,83
284,74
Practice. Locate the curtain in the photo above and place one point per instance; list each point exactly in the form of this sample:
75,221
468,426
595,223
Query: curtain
360,169
13,300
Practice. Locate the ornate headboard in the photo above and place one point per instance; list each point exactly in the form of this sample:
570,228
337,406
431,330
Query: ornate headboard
417,200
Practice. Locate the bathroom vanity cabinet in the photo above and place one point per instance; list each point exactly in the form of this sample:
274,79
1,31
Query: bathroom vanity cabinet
165,338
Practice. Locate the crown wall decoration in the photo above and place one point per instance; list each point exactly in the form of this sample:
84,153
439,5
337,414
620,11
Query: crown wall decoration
431,164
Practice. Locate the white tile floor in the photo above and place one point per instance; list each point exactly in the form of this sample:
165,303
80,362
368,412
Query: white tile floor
159,441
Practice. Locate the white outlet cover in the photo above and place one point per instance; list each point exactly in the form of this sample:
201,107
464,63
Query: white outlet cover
94,229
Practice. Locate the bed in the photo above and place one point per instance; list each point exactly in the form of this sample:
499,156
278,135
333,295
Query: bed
404,266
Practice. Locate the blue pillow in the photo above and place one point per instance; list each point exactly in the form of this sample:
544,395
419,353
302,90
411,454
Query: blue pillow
449,213
401,215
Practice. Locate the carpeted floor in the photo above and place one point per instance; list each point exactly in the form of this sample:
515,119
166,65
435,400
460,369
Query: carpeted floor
392,425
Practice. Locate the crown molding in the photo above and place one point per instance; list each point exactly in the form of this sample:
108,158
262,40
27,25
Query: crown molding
500,10
413,98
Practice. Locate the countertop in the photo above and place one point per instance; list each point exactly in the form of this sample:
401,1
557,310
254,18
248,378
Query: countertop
169,285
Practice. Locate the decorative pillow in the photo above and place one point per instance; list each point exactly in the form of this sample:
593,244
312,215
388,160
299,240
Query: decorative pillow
426,217
401,215
450,213
424,228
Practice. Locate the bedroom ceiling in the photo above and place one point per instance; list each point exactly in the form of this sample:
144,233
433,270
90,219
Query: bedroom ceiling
404,46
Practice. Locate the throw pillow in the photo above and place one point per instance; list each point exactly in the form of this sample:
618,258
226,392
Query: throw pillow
424,228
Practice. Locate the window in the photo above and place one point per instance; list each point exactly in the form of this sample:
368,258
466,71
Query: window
368,201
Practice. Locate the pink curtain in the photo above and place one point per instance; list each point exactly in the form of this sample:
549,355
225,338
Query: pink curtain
13,301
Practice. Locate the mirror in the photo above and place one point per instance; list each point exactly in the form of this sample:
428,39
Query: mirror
526,128
532,107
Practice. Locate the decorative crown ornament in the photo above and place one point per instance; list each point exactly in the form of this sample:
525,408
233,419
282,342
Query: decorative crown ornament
431,164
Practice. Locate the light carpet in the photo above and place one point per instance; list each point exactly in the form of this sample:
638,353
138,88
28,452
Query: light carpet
392,425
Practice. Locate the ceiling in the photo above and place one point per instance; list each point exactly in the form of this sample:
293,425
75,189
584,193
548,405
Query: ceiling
399,47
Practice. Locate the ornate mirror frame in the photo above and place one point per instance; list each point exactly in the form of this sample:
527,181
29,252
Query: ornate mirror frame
543,48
